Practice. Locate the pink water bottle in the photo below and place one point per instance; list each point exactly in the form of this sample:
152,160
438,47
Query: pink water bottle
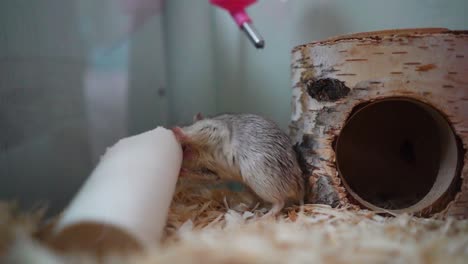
237,10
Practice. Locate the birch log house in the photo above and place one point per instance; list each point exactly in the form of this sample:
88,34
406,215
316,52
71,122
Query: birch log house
380,120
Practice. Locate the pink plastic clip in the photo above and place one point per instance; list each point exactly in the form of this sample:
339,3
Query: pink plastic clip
236,8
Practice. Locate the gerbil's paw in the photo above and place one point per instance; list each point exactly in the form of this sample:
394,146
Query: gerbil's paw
268,216
274,211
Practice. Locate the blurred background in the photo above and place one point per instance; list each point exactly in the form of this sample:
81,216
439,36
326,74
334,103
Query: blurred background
77,75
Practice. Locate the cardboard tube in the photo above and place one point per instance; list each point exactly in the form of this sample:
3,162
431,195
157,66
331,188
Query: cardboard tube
126,199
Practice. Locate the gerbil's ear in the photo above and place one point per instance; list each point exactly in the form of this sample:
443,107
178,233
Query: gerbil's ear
198,117
179,134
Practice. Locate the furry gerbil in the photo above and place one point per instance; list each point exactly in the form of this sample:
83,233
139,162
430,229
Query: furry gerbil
246,148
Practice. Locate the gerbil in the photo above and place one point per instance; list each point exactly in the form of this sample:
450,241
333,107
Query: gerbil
246,148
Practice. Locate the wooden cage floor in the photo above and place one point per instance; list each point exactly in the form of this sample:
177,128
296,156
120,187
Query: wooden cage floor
220,226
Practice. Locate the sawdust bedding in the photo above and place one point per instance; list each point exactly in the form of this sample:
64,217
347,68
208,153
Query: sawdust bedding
220,226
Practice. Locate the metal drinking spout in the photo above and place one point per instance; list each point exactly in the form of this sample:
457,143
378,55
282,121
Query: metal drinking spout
237,10
253,35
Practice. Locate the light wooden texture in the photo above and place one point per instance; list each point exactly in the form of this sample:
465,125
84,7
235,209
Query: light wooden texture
428,65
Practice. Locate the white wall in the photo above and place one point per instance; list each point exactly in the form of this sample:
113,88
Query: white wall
190,59
75,76
44,147
249,80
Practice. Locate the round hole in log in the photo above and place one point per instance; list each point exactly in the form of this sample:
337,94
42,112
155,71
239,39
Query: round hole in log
397,154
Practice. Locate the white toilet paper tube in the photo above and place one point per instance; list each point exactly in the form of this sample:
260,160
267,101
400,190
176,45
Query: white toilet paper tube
131,188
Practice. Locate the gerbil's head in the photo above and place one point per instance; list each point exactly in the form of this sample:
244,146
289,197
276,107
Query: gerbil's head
199,141
203,132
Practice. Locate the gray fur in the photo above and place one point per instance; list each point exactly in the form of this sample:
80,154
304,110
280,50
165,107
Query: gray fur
253,150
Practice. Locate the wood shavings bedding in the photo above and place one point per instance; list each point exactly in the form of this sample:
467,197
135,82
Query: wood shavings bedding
208,225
